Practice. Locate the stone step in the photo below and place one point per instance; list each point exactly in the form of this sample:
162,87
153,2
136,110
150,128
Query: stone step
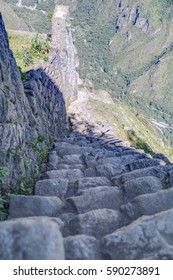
51,187
29,206
97,198
73,150
97,223
90,172
69,174
116,153
37,238
71,166
91,182
53,160
106,198
144,163
147,238
131,152
62,145
72,159
81,247
155,171
142,185
148,204
128,159
109,170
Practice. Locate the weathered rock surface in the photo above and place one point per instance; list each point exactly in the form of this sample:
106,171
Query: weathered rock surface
74,150
91,182
109,170
52,187
25,206
63,61
31,112
69,174
142,163
31,239
104,217
158,171
81,247
96,223
97,198
121,160
72,159
142,185
147,238
149,204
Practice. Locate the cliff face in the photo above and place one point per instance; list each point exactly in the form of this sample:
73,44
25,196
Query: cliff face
32,114
63,60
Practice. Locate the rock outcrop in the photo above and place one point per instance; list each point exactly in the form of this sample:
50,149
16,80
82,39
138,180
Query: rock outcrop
63,60
131,15
32,113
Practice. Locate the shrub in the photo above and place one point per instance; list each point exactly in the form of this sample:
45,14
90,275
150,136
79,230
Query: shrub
27,58
3,172
36,43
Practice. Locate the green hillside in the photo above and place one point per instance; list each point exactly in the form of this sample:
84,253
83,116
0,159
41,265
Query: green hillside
12,21
37,14
126,47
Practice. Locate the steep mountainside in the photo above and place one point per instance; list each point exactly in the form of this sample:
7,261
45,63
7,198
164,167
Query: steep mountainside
37,13
12,21
126,48
96,197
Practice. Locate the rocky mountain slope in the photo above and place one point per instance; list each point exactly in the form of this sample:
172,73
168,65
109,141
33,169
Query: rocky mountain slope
37,14
11,20
96,197
124,47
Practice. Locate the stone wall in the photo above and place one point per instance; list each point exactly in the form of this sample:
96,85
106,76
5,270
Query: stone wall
32,114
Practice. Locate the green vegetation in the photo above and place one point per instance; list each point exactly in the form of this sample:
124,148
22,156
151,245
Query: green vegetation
116,54
12,21
3,202
138,143
26,184
28,51
131,126
3,197
39,19
3,172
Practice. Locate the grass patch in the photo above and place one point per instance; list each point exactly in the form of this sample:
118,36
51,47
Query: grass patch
131,126
138,143
28,51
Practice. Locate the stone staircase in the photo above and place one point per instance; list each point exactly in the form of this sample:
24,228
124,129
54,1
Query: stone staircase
96,201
